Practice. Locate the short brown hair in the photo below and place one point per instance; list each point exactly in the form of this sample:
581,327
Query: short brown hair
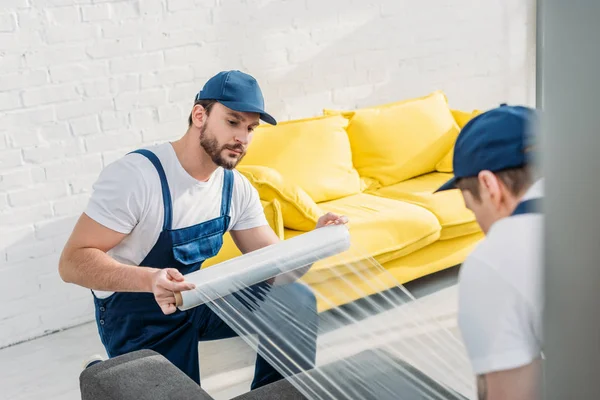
207,104
515,179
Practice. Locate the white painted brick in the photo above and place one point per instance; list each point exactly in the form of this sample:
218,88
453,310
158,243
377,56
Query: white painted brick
146,98
188,21
55,131
184,92
115,48
10,63
176,5
85,126
137,63
61,3
29,250
3,205
151,7
144,118
37,194
54,151
27,136
82,183
170,112
96,12
179,56
95,88
165,131
8,22
23,80
49,95
10,158
38,174
109,157
28,19
10,237
113,120
125,83
124,10
78,33
167,77
19,178
9,101
169,39
83,108
25,215
107,141
54,227
64,169
55,55
13,4
68,15
20,40
70,205
78,72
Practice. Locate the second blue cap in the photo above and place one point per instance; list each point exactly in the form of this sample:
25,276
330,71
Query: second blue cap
495,140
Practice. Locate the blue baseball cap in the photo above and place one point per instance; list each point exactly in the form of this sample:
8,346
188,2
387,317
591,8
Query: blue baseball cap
495,140
238,91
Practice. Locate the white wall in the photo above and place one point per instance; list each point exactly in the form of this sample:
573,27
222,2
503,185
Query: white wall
84,81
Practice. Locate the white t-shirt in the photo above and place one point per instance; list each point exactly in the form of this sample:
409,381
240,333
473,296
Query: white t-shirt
127,198
500,293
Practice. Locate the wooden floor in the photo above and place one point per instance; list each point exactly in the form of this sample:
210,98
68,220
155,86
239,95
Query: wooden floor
49,367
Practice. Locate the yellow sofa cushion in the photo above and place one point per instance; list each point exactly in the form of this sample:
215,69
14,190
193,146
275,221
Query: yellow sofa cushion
461,118
397,141
313,153
448,206
229,249
380,228
299,211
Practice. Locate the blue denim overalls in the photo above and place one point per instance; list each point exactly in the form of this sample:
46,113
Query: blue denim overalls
530,206
133,321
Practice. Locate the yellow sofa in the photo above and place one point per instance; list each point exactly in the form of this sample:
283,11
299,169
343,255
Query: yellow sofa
380,167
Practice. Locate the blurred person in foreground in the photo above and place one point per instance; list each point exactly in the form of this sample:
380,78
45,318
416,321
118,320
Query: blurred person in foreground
158,213
500,283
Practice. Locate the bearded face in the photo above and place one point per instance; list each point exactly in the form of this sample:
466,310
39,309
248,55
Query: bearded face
227,156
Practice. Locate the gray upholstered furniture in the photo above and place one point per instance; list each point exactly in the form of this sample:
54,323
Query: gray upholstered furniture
147,375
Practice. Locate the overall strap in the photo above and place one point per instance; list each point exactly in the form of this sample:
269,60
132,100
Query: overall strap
166,193
528,207
227,191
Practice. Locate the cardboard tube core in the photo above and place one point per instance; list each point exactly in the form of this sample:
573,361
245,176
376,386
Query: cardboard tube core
178,299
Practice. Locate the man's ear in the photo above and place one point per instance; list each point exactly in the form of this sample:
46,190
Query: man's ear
488,183
198,115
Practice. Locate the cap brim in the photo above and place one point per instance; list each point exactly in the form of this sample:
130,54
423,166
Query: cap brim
451,184
245,107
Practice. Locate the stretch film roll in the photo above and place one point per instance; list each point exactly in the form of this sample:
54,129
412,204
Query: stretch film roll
260,265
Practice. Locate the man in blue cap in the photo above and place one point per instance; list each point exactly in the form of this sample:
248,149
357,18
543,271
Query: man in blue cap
500,282
157,213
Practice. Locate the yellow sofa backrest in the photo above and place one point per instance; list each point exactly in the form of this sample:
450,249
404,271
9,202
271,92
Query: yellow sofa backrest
398,141
313,153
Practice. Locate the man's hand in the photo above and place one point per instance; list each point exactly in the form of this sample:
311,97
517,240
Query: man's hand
164,283
331,219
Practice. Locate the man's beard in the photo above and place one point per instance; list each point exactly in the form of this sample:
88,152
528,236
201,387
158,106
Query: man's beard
211,147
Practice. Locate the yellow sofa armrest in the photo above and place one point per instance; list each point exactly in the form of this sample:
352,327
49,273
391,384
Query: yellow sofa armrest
298,209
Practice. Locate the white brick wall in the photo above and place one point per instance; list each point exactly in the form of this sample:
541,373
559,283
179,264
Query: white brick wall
84,81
